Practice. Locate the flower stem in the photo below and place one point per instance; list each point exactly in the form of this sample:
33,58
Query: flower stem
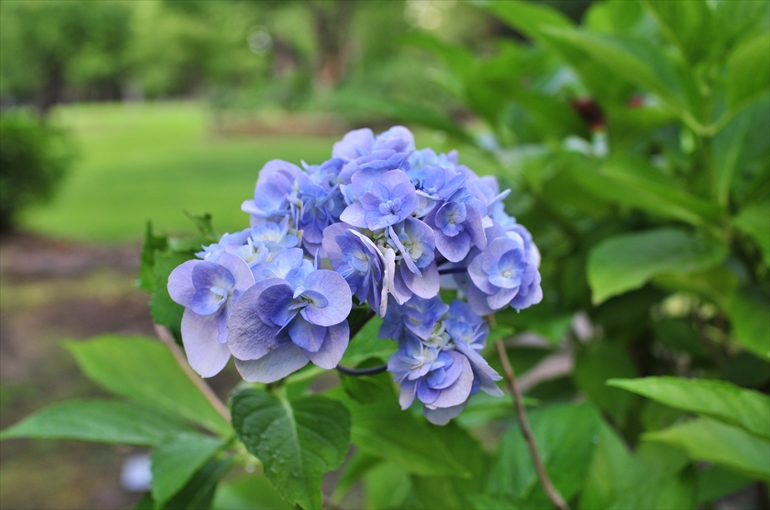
521,414
362,371
167,338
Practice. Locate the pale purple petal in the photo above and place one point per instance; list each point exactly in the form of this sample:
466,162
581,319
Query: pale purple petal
458,392
478,301
443,415
270,299
453,248
239,269
502,298
354,144
408,392
354,215
205,302
338,296
425,286
478,276
204,352
335,343
308,336
180,286
248,336
276,365
210,274
475,228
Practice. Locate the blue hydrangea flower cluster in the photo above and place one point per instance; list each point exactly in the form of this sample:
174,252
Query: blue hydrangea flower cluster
380,222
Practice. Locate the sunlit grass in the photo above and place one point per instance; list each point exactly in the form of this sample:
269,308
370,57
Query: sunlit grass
153,161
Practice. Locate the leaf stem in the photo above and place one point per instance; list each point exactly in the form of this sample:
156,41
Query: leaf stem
521,414
167,338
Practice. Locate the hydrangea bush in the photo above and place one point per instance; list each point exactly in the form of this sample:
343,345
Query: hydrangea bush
380,226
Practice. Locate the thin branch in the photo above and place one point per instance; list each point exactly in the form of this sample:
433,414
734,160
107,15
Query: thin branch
362,371
167,338
521,414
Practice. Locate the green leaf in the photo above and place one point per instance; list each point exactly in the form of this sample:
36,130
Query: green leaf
563,435
451,493
176,459
203,224
635,183
368,388
101,421
711,441
639,63
748,72
627,261
355,468
297,440
750,321
716,482
164,310
144,370
387,486
754,220
748,409
528,18
251,492
147,261
652,478
198,493
366,344
382,429
595,364
686,24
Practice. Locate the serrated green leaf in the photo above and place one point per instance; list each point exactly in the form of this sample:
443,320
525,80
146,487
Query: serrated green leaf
627,261
748,72
750,320
164,310
144,370
724,401
754,220
711,441
101,421
152,243
563,434
384,430
176,459
297,440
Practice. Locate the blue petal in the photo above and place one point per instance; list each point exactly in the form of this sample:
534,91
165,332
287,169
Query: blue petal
460,390
276,365
205,302
204,352
248,336
339,300
180,285
308,336
333,348
208,274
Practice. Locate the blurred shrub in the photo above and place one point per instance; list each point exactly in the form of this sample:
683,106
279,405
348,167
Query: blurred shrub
34,157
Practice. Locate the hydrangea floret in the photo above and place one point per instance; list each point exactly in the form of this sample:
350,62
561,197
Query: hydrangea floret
379,225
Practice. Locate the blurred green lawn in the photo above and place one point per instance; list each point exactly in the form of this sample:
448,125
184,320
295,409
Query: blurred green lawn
152,161
140,162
